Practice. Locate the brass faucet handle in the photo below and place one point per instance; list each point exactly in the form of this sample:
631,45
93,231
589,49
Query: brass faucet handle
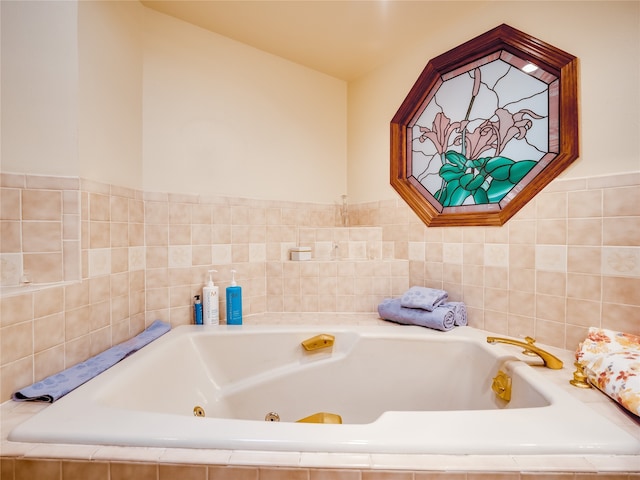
580,378
530,341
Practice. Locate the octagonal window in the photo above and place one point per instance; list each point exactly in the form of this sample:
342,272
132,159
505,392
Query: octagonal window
482,130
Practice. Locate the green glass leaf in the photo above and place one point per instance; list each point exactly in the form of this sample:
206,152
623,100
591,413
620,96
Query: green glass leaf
457,197
498,189
480,197
451,172
520,169
456,158
497,162
501,173
480,163
465,180
476,183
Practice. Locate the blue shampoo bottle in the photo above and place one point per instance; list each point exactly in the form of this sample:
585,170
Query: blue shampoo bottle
197,310
234,302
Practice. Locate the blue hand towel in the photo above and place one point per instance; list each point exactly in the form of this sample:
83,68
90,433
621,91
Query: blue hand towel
424,298
459,312
52,388
441,318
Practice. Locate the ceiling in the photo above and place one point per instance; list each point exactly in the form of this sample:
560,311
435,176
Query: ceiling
342,38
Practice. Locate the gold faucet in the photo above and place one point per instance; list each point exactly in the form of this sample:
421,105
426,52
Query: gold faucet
550,361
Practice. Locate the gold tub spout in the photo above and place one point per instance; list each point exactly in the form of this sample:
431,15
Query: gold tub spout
324,340
550,361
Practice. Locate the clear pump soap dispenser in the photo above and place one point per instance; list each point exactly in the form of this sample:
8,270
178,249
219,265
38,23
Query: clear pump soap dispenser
211,302
234,302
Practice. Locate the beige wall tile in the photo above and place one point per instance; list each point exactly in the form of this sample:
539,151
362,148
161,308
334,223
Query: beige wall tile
77,350
48,301
10,204
621,231
584,260
583,312
551,307
621,290
10,237
520,326
385,475
119,234
15,375
16,342
157,257
48,331
622,201
156,235
16,309
136,211
551,205
139,471
232,473
522,279
495,299
42,236
551,283
100,315
336,474
99,207
119,209
156,213
587,287
48,362
551,258
41,205
584,231
179,235
182,472
522,256
99,234
587,203
76,322
521,232
550,332
621,261
551,232
79,470
27,469
180,214
522,303
44,267
71,227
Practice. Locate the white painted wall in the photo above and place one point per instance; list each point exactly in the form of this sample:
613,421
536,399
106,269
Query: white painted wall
39,87
222,118
604,35
110,55
115,92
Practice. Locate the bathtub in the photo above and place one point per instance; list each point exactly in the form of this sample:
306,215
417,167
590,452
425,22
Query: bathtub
396,389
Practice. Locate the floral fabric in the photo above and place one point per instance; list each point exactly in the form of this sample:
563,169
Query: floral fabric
611,361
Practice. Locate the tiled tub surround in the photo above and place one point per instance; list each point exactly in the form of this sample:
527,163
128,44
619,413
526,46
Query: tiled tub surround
569,260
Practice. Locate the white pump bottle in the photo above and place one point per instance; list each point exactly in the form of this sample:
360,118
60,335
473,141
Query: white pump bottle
211,302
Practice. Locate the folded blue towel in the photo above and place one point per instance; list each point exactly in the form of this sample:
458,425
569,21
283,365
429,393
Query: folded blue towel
441,318
424,298
459,312
52,388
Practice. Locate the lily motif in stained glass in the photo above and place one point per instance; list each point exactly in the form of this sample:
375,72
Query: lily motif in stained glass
485,127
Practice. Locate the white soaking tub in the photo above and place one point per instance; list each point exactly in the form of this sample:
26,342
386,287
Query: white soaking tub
396,389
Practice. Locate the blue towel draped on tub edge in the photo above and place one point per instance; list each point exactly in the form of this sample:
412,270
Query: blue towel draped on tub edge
52,388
